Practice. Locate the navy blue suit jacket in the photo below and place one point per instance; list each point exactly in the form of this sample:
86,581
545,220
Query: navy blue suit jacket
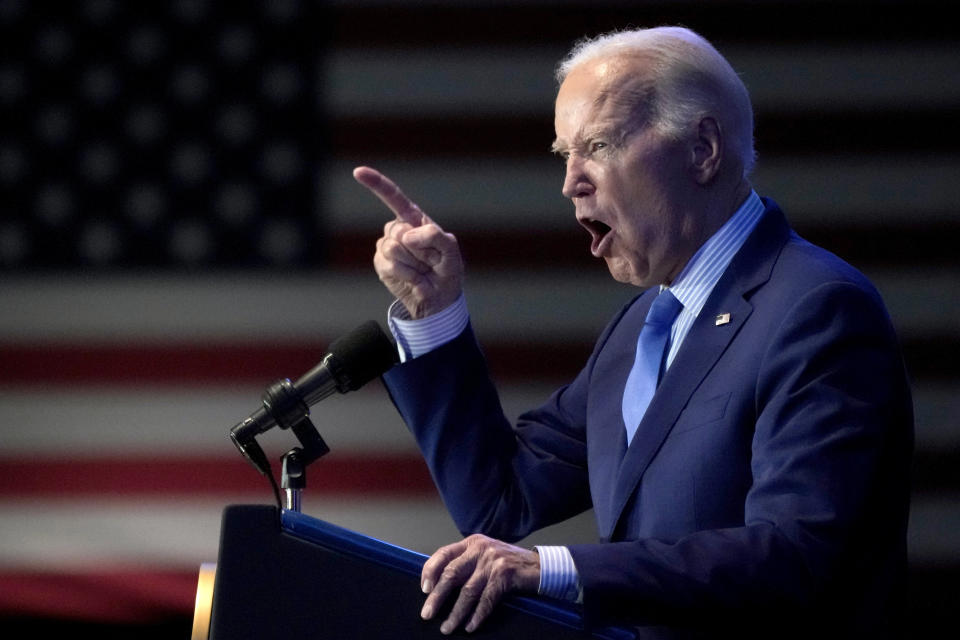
769,474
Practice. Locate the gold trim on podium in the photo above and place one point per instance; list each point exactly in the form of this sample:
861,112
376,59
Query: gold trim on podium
204,604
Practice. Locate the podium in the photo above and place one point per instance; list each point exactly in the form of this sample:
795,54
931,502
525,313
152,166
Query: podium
284,574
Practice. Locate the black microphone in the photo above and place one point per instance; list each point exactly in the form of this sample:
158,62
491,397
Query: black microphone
352,361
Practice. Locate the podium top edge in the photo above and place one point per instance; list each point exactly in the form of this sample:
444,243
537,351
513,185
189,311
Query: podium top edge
344,540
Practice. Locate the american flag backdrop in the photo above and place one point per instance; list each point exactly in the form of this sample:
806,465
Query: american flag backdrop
179,228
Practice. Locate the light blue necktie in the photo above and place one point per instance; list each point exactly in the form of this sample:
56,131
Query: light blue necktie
647,366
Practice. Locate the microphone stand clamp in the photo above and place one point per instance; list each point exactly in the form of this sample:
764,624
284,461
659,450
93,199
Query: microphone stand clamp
288,410
294,471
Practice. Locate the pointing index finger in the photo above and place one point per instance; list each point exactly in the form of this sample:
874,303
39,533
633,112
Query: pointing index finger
390,194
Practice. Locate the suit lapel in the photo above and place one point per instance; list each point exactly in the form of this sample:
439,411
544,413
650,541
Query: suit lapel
701,350
607,441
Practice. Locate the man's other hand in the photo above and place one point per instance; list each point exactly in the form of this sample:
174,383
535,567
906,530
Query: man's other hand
485,569
416,260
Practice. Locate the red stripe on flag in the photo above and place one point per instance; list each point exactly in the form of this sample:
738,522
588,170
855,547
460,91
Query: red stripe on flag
356,474
116,596
166,363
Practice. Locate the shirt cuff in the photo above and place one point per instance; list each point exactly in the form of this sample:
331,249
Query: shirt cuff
417,337
558,575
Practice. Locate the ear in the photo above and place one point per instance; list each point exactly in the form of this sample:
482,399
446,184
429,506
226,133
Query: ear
706,151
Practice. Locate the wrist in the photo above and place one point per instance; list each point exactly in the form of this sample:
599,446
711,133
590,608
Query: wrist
416,337
558,575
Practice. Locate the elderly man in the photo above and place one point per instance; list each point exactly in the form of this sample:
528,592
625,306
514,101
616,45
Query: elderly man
743,427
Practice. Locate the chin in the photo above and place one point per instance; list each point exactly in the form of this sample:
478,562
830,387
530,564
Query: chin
622,272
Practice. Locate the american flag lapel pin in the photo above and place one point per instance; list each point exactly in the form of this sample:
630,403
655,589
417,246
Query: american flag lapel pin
723,318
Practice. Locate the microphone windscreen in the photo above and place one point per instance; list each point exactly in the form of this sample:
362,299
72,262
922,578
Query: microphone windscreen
362,355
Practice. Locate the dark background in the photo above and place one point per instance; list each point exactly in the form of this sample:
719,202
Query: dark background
195,136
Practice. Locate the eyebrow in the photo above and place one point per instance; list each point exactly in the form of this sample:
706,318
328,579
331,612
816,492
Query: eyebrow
613,133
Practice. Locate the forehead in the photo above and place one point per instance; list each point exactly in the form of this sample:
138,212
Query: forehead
600,94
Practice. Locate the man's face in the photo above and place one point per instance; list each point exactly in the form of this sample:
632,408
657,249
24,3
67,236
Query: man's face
627,181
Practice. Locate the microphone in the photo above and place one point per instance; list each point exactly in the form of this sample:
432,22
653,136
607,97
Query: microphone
352,361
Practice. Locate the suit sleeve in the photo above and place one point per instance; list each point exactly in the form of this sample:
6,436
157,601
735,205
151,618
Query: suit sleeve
501,480
830,452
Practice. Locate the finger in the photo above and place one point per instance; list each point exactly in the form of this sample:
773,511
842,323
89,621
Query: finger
436,563
397,274
492,594
470,593
390,194
454,574
394,233
491,579
431,245
396,252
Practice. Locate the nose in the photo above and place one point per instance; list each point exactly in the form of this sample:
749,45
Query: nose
576,183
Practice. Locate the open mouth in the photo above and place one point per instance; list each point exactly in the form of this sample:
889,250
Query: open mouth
598,232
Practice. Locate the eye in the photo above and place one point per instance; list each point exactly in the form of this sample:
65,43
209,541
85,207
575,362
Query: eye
597,145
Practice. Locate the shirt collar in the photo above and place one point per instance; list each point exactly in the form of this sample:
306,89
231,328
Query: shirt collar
703,270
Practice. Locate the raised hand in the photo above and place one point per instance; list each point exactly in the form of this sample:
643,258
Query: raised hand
419,262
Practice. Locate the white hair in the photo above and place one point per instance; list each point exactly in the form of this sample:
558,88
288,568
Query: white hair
690,79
